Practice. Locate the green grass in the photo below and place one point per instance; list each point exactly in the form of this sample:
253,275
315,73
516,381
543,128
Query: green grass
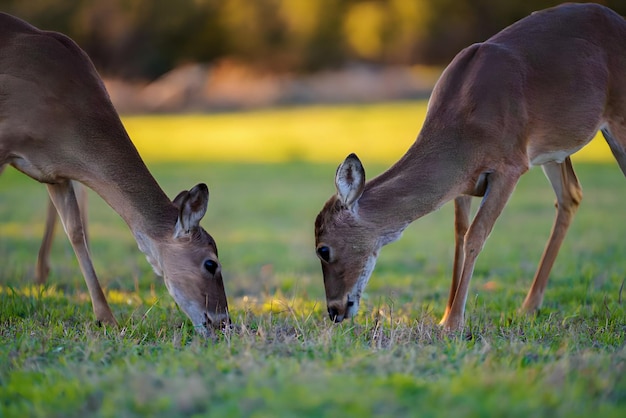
284,357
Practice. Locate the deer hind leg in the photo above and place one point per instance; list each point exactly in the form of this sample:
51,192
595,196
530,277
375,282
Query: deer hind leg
462,207
499,188
64,199
615,136
568,197
81,198
42,268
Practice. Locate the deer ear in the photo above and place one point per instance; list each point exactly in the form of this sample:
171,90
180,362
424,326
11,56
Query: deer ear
191,208
350,180
178,200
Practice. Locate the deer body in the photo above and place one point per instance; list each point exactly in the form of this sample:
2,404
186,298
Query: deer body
533,94
57,124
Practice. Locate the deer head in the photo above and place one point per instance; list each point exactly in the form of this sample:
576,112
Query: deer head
346,243
189,264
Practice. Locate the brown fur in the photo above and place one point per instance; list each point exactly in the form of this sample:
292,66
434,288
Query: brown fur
532,94
57,125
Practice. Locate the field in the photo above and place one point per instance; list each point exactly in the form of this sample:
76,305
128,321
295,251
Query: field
269,173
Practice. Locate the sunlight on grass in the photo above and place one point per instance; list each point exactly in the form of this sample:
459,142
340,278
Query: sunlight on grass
128,298
33,291
114,297
293,305
321,134
302,308
378,133
277,304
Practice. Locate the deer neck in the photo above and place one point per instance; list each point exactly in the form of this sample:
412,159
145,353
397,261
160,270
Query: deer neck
130,189
424,179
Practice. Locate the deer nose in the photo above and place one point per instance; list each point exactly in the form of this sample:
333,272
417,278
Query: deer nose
218,321
335,315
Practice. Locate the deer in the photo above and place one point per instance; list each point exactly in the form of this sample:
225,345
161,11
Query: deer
531,95
59,126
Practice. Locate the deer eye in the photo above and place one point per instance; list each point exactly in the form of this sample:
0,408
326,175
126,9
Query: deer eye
324,253
210,266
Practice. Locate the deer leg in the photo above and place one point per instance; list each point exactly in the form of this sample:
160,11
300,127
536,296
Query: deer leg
64,199
42,268
81,197
500,186
568,196
462,207
616,138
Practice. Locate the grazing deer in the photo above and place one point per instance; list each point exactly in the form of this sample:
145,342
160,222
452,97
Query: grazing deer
57,125
531,95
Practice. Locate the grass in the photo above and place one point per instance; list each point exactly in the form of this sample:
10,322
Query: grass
379,133
284,357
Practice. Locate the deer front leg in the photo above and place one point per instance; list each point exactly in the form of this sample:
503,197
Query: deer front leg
569,195
42,269
500,186
462,207
64,199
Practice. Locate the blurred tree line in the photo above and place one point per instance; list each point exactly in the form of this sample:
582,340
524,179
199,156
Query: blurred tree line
145,38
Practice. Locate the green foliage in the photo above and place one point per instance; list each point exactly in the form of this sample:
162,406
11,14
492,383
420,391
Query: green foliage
283,357
138,38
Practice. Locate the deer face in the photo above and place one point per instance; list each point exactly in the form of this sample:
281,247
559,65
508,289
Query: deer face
190,267
345,244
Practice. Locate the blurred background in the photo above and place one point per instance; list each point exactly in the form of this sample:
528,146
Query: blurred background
209,55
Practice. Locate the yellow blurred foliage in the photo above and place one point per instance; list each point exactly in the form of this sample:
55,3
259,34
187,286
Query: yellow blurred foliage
363,28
